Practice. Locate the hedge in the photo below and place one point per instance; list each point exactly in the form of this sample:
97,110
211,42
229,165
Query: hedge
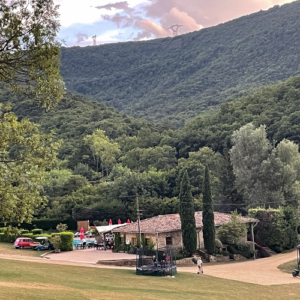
67,239
37,231
44,224
10,239
24,231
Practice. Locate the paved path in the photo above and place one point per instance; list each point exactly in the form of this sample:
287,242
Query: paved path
89,256
261,271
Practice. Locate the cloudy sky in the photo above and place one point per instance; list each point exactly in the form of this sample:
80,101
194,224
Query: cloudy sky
133,20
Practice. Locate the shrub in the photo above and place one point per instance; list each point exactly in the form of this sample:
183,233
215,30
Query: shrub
24,231
232,231
55,241
3,229
277,227
178,256
61,227
242,249
225,253
37,231
66,241
218,243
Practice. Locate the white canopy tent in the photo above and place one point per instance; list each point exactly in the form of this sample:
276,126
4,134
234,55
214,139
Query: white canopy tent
108,228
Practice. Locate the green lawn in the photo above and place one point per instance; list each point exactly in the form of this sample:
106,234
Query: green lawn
24,280
7,248
289,266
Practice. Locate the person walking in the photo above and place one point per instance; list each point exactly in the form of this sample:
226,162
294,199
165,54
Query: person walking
200,265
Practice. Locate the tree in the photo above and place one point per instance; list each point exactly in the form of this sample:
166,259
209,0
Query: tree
208,215
104,151
232,231
24,155
265,174
187,215
29,51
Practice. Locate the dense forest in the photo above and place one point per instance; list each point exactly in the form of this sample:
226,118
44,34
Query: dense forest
173,80
107,158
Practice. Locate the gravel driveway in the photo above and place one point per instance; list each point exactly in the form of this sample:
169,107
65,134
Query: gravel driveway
261,271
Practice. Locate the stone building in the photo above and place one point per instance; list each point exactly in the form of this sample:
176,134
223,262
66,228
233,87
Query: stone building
165,230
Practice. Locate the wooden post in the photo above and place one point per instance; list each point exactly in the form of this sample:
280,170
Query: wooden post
252,234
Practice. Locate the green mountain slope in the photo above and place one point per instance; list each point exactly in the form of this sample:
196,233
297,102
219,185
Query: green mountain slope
276,106
73,119
175,79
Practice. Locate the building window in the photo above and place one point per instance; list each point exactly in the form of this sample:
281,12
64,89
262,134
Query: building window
133,241
168,240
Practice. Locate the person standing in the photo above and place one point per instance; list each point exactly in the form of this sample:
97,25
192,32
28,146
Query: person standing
200,265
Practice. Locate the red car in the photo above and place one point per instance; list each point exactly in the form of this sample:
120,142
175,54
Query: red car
23,242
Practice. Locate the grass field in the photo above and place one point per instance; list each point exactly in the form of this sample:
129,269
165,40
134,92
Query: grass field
7,248
26,280
289,266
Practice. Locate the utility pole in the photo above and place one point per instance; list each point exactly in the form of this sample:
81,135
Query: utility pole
138,212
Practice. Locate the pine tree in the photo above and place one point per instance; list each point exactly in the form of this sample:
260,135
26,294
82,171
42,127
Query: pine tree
208,216
187,215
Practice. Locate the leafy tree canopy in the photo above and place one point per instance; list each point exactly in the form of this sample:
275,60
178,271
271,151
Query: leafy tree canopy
29,51
24,155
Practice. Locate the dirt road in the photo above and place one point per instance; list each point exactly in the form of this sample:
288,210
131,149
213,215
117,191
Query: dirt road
261,271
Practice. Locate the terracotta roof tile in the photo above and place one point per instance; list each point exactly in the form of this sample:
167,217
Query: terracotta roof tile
168,223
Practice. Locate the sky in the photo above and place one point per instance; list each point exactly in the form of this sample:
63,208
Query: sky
134,20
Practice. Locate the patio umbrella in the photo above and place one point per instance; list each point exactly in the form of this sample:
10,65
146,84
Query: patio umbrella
110,222
81,233
128,221
119,221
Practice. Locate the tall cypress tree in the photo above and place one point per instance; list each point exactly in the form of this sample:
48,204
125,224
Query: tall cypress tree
187,215
208,216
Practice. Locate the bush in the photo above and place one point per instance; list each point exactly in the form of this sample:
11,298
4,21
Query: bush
178,256
66,241
37,231
242,249
61,227
55,242
277,227
225,253
218,243
3,229
232,231
24,231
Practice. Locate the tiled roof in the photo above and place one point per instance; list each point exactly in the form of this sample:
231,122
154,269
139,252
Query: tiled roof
168,223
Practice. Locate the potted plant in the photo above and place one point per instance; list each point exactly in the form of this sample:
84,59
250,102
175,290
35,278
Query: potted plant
55,241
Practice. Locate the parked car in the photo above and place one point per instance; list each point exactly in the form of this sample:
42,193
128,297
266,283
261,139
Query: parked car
23,242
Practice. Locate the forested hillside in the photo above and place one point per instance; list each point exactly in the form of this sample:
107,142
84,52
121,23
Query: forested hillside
73,118
276,106
175,79
106,158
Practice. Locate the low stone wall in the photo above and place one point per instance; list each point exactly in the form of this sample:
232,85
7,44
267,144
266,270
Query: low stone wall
123,262
185,261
